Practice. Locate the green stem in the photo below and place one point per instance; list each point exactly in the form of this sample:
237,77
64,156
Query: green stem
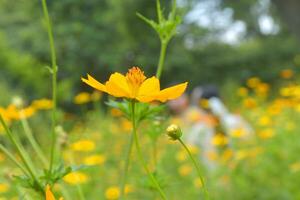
154,151
54,83
12,158
125,171
136,140
162,56
197,168
22,154
32,140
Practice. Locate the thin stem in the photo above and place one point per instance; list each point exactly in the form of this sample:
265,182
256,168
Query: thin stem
127,162
197,168
162,56
12,158
22,154
136,140
32,140
54,83
154,152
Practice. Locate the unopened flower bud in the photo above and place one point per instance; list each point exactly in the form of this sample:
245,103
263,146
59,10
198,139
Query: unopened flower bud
174,132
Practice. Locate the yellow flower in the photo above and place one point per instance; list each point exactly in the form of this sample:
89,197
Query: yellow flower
94,160
82,98
265,121
42,104
286,73
204,103
242,92
112,193
135,85
76,178
253,82
266,133
181,156
83,145
185,170
3,187
294,167
2,157
237,133
49,194
126,125
219,140
249,102
116,112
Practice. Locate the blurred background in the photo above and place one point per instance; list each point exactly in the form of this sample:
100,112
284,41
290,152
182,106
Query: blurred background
246,52
223,42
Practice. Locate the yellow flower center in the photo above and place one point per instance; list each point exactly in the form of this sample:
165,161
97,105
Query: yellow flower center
135,77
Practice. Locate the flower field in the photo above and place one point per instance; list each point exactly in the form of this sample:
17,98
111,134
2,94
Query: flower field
136,135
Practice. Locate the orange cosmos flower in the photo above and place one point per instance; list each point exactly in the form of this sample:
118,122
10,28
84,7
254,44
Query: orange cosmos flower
135,85
49,194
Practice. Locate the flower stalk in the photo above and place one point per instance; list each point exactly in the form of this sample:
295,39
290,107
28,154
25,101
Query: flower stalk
197,168
126,167
136,140
54,83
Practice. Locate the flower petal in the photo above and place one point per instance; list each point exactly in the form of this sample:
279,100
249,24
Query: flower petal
171,92
148,90
117,86
49,194
94,83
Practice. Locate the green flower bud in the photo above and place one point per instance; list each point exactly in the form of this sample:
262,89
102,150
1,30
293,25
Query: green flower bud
174,132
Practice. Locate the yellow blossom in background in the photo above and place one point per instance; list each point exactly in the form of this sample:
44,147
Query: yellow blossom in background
266,133
219,140
112,193
126,125
42,104
74,178
83,145
116,112
227,155
262,89
242,92
94,160
193,115
181,156
197,183
286,73
204,103
4,187
295,167
135,85
185,170
211,155
2,157
249,102
82,98
274,109
264,121
237,133
253,82
27,112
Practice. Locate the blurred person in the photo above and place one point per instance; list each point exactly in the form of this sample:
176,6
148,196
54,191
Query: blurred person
211,132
